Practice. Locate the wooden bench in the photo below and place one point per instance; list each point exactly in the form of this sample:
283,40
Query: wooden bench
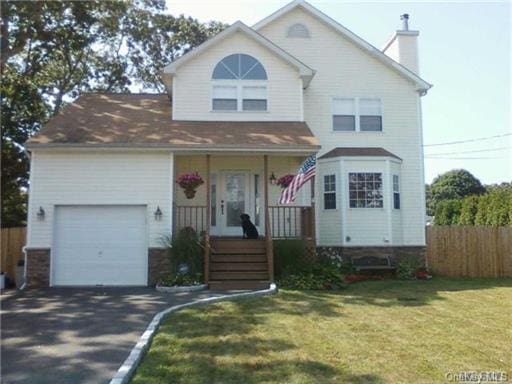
373,263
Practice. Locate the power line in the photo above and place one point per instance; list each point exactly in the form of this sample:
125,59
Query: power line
469,140
474,151
466,158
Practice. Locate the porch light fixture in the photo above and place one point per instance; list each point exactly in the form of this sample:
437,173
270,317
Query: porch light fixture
158,214
40,214
272,179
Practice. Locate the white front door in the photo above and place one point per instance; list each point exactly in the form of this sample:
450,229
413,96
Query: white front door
234,200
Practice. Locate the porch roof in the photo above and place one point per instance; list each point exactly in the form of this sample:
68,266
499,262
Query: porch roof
144,121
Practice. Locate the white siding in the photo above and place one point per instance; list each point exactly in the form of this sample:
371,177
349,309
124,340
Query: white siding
344,70
99,178
192,86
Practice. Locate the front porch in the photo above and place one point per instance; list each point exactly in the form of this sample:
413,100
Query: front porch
233,185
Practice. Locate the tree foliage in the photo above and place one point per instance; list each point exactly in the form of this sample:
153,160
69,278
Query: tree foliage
455,184
51,51
492,208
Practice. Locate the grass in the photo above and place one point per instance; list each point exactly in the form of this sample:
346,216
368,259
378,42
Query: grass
373,332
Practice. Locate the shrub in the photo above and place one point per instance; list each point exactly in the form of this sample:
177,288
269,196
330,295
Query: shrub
185,252
180,279
406,269
289,256
447,212
468,210
320,276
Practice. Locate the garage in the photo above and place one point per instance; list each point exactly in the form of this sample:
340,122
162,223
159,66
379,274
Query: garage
99,246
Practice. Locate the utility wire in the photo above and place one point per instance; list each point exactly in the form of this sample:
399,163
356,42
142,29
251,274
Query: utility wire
474,151
465,158
469,140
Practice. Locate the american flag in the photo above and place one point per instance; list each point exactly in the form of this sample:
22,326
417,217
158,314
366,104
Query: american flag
306,171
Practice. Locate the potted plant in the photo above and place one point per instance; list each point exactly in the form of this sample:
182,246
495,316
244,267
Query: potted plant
20,273
284,181
189,182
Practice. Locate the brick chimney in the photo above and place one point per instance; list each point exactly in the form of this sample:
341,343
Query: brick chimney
403,46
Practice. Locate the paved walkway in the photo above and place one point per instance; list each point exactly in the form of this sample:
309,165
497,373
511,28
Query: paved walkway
76,335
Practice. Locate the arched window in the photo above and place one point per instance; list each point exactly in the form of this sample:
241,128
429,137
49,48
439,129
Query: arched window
239,67
298,30
231,91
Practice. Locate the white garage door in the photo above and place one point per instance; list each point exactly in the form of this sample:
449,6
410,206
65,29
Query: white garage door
99,245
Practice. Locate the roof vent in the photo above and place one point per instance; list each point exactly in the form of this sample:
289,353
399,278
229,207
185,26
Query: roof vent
405,21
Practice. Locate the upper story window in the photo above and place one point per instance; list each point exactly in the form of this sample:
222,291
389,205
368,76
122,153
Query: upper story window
239,84
239,67
298,30
356,114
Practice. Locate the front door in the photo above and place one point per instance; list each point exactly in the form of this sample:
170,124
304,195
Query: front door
234,199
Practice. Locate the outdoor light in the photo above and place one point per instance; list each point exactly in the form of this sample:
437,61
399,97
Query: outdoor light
272,179
40,214
158,214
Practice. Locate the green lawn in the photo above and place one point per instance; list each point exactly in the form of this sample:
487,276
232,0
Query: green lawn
373,332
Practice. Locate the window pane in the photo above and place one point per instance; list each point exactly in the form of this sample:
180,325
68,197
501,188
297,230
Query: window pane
257,200
396,200
256,73
221,72
396,185
365,190
224,105
254,93
224,92
329,200
369,107
246,64
213,201
298,30
370,123
343,107
343,123
254,105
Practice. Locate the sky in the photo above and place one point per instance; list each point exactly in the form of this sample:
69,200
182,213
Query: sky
464,50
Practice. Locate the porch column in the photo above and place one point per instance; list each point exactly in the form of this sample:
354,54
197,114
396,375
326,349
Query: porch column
268,234
208,221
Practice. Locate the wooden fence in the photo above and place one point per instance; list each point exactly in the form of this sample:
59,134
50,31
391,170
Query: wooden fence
463,251
13,240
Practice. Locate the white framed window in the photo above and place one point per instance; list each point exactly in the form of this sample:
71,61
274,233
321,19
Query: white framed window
396,192
298,30
330,192
239,84
225,98
356,114
365,190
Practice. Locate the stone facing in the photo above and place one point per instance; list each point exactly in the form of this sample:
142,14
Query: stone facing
158,264
38,268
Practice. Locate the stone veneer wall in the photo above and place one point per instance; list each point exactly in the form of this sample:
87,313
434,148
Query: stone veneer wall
158,264
396,254
38,268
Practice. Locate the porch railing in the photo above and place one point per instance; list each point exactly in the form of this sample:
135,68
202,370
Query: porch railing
194,216
291,222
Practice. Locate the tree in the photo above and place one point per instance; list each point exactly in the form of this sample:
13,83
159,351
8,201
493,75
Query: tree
51,51
455,184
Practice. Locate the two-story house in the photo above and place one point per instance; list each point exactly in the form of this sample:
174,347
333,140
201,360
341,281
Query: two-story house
241,110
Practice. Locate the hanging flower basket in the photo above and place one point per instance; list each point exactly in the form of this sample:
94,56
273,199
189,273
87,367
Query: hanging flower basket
284,181
190,182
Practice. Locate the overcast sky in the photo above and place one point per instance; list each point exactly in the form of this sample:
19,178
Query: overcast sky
465,51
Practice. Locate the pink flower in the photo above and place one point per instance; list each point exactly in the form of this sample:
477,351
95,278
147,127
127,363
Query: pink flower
189,180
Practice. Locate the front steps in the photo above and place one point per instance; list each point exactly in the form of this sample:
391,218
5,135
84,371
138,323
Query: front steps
238,264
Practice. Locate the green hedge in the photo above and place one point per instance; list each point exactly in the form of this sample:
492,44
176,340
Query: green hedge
492,208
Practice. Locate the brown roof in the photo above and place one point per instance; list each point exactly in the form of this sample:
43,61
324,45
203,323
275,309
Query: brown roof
144,120
361,151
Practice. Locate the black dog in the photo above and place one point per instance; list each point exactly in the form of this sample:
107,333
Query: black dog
250,231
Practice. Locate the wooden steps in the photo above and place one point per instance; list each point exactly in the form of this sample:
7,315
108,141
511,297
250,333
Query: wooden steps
238,264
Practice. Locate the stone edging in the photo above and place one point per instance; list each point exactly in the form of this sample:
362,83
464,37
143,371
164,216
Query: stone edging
190,288
125,372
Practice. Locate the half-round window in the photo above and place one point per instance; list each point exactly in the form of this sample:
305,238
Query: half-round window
298,30
239,67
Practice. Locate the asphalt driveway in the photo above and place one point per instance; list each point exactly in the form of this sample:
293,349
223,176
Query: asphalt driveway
75,335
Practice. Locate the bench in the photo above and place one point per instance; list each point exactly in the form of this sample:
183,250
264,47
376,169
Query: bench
373,263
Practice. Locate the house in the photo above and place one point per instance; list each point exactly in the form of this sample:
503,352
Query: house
242,109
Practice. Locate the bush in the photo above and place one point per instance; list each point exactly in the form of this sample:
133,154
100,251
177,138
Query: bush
289,256
185,252
447,212
468,210
178,279
406,269
320,276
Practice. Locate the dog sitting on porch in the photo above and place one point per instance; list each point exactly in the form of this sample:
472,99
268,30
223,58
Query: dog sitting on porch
248,228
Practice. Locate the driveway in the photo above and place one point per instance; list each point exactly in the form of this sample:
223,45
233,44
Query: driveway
75,335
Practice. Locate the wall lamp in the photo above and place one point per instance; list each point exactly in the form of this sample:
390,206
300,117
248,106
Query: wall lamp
158,214
40,214
272,179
